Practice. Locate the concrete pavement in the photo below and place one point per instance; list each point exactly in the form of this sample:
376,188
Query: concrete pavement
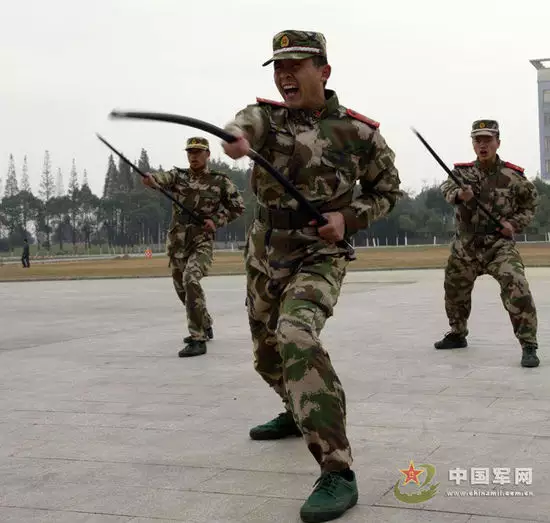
101,422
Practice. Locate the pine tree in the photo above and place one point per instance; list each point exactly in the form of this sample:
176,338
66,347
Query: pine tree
144,165
73,180
11,180
59,185
46,193
125,181
47,185
143,162
25,184
85,179
73,194
110,179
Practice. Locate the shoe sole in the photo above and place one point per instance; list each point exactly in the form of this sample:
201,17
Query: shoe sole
266,437
316,517
461,346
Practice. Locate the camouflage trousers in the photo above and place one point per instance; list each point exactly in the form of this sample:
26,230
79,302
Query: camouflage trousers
187,270
286,316
502,261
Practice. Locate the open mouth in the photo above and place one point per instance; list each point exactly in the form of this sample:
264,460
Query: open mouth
290,91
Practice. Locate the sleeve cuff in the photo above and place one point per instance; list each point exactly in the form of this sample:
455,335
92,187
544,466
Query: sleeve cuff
217,220
234,129
453,197
353,223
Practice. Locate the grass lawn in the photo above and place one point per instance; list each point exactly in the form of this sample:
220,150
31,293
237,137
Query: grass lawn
232,263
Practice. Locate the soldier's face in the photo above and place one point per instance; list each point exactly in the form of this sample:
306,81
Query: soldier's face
197,158
486,147
300,82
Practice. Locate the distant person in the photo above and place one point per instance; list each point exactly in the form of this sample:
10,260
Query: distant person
25,257
213,196
479,249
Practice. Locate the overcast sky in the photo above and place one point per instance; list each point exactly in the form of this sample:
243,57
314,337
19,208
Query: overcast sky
431,64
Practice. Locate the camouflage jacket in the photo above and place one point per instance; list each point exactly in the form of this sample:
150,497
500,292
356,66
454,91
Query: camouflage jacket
503,189
209,194
336,158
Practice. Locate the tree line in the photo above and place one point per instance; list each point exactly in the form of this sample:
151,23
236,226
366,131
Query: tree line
128,215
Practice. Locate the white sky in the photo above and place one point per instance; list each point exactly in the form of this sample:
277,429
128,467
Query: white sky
432,64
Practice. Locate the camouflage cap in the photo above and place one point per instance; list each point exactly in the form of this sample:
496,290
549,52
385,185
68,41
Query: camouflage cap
297,45
485,128
197,142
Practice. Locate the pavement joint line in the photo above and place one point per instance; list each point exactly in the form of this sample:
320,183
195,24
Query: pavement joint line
95,337
267,498
122,427
171,465
71,511
471,514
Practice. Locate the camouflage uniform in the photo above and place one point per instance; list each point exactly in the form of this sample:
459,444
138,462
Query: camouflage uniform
477,248
211,195
294,277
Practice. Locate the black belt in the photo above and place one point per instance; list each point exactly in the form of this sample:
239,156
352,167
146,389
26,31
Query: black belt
478,230
184,219
282,218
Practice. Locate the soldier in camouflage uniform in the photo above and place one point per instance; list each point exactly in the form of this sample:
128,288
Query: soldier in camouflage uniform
214,197
478,249
295,270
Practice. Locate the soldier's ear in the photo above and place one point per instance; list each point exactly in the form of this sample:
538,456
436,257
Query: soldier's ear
325,75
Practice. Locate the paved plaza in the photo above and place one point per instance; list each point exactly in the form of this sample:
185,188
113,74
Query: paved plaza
101,422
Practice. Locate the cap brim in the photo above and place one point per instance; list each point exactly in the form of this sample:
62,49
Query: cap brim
197,147
290,56
484,132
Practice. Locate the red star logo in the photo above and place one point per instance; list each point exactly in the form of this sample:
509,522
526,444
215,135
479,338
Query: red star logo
411,474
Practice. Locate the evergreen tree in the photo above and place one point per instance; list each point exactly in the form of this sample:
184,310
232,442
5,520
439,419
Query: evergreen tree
46,193
85,179
47,185
11,180
125,180
59,185
73,181
143,162
25,184
111,178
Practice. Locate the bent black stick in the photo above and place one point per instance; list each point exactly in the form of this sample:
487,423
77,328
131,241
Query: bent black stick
196,218
253,155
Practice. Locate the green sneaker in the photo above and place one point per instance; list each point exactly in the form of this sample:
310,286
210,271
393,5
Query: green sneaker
331,497
280,427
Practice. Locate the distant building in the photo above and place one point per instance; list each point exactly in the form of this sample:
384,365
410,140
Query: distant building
543,79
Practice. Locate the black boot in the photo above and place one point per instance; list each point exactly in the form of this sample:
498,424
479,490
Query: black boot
209,333
451,340
280,427
193,348
529,356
